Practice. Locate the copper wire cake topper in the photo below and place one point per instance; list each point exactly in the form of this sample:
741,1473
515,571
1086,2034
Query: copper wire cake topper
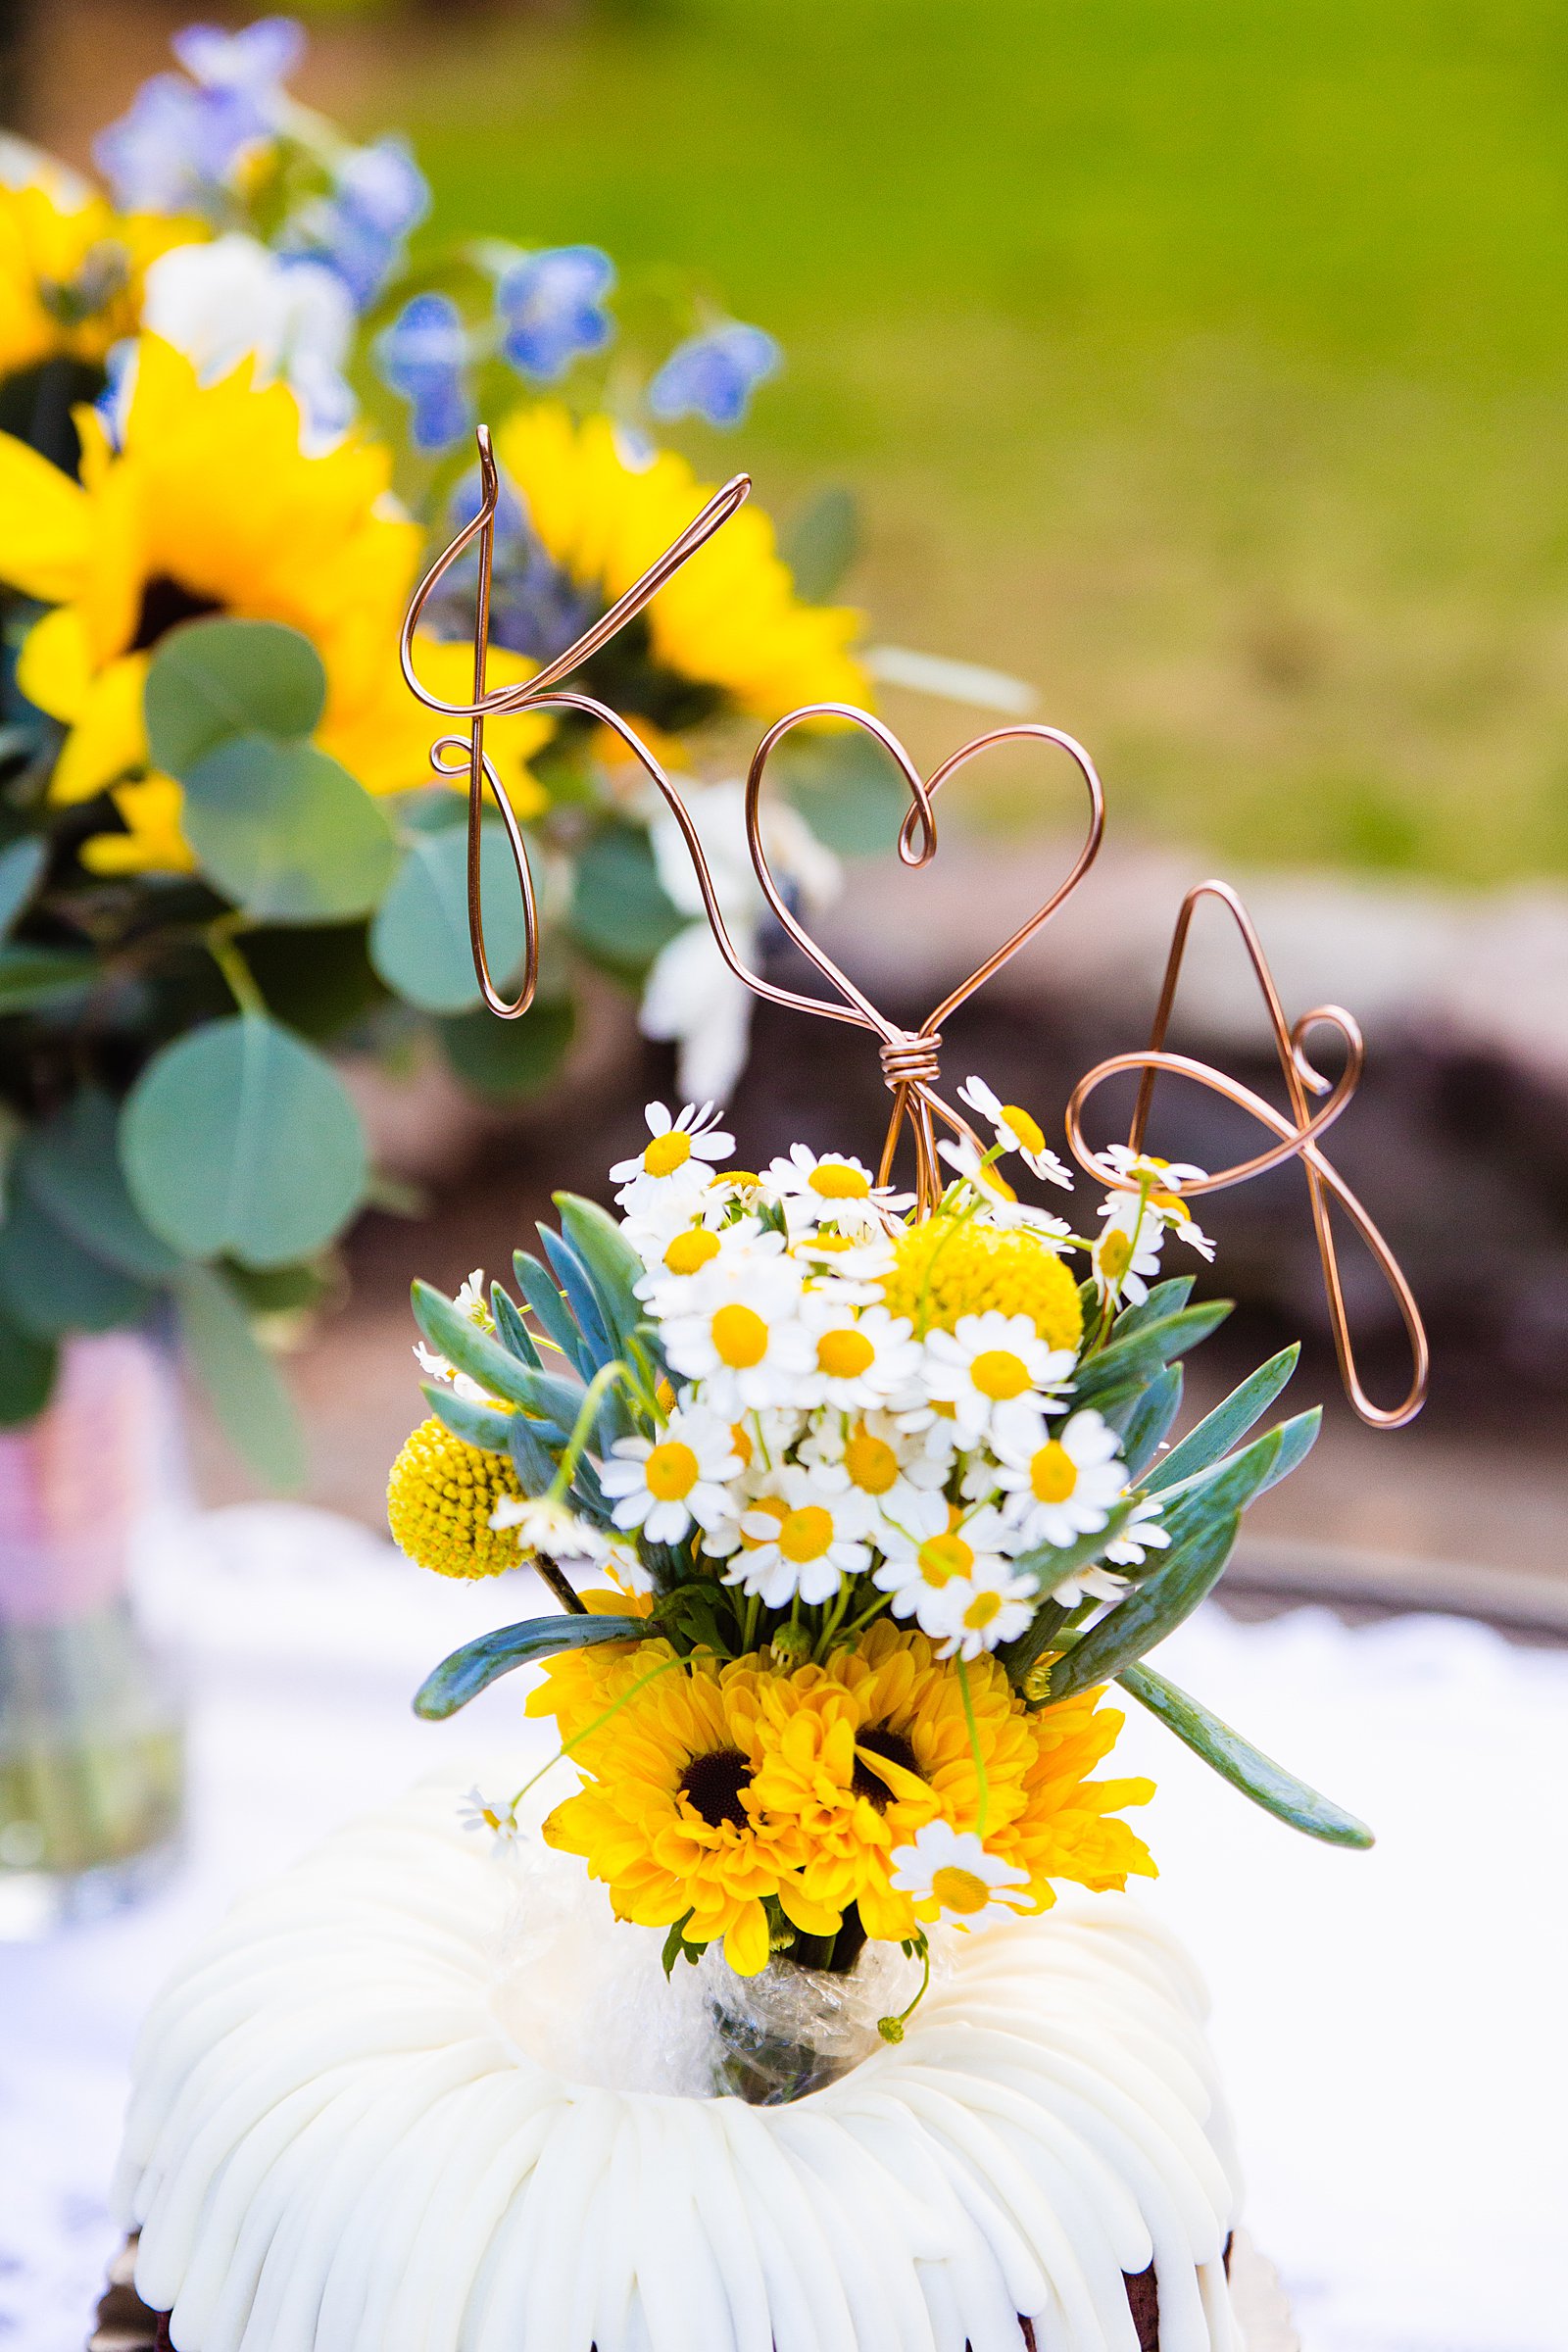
910,1058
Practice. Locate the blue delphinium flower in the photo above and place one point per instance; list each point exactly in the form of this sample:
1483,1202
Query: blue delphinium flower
423,355
552,307
713,375
173,149
379,194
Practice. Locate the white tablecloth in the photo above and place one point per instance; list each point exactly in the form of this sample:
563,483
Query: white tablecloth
1392,2025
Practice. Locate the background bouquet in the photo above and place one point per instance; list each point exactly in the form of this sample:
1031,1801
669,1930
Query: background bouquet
234,404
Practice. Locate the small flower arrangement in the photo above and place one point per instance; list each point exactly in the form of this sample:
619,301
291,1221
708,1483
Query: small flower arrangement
236,386
877,1504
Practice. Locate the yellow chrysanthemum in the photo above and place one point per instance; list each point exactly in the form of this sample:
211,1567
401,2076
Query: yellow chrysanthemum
668,1817
71,268
211,506
728,632
948,1267
439,1500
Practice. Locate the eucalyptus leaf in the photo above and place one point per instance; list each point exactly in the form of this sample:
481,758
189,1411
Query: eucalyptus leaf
287,832
820,544
51,1284
21,864
248,1393
620,912
486,1426
70,1165
847,789
210,680
419,939
508,1060
240,1141
1219,1430
1245,1766
27,1366
469,1670
31,976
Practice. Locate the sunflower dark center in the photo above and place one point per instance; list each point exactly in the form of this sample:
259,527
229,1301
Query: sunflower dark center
165,603
711,1784
897,1749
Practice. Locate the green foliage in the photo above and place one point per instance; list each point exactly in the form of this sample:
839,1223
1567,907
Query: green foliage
210,682
483,1425
420,938
1220,1429
287,832
1245,1767
620,914
469,1670
31,977
845,787
22,863
821,543
248,1393
544,1394
70,1165
240,1141
50,1284
27,1373
507,1060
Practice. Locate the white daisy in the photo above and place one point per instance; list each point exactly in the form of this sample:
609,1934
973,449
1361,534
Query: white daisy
1167,1201
1003,1206
1095,1582
1127,1252
1015,1131
742,1338
469,1302
1060,1487
546,1525
989,1360
803,1537
933,1548
703,1249
664,1485
980,1611
828,1189
674,1160
1139,1534
475,1811
861,1359
951,1877
890,1466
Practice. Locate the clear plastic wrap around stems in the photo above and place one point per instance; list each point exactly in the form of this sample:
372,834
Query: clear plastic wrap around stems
589,1997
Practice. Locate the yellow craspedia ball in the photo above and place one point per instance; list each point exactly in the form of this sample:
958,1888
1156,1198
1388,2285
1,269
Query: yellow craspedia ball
439,1500
948,1267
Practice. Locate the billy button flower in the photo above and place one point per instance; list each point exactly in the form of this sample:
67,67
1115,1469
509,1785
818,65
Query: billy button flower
948,1267
442,1499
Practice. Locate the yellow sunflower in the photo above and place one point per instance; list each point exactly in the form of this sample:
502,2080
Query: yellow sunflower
667,1816
860,1754
71,268
210,505
728,633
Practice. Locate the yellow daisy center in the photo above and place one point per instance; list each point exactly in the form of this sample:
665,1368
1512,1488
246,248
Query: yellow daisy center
982,1611
689,1252
834,1182
805,1535
1000,1374
844,1355
943,1558
767,1506
743,1442
871,1463
959,1890
1026,1129
1053,1473
1115,1253
740,1337
946,1267
742,1179
668,1152
670,1471
664,1396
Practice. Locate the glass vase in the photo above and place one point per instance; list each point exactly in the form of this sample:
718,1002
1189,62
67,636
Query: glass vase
91,1734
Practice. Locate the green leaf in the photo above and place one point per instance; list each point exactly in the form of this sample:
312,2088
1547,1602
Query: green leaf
469,1670
581,1299
1245,1767
847,789
1219,1430
27,1373
820,544
51,1284
316,981
543,1296
1232,1484
239,1141
20,865
283,1290
1297,1438
1149,1419
675,1944
32,976
71,1167
213,679
511,1328
447,1328
419,939
505,1061
287,832
483,1425
1166,1299
613,1263
248,1394
620,914
1127,1366
1151,1610
1049,1563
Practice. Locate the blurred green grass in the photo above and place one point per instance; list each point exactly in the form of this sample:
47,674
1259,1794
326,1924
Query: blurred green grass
1204,363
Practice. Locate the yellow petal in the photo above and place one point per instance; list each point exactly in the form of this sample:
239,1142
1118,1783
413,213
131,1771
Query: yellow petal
747,1944
812,1919
154,844
109,737
45,543
54,670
